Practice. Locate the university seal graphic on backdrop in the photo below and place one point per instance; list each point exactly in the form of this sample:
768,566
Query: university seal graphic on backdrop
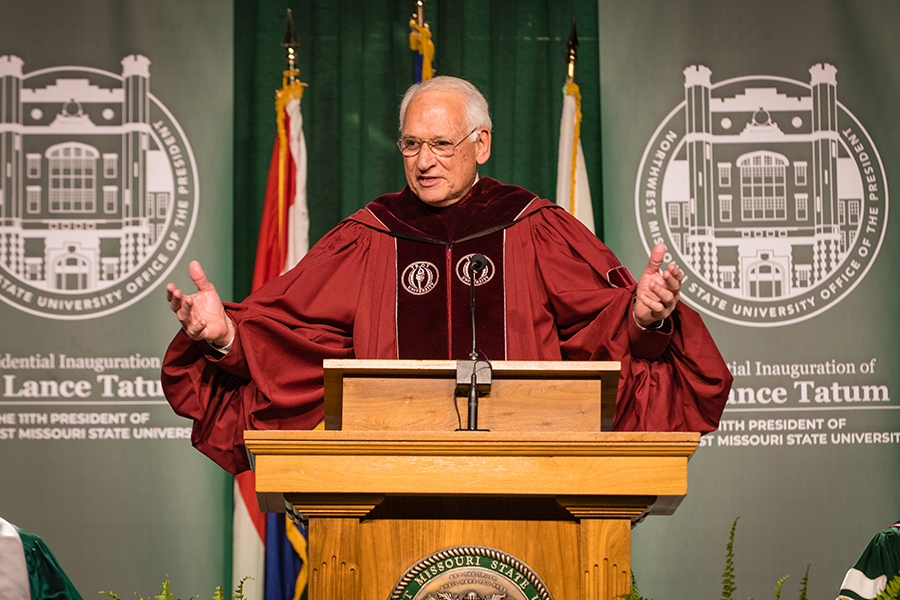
98,189
768,192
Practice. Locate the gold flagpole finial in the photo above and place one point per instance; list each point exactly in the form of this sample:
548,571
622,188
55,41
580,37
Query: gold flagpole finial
572,53
290,45
291,89
420,13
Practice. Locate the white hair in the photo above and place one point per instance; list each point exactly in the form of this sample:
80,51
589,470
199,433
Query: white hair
477,113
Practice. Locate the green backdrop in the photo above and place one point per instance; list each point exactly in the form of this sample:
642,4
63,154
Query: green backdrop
798,504
355,57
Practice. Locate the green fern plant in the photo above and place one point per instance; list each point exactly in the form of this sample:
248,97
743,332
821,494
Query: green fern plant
165,592
803,584
778,586
891,590
634,593
728,581
239,592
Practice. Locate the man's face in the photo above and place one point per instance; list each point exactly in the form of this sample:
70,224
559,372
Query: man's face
436,180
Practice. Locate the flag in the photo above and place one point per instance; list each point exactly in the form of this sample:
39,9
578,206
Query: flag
287,571
284,230
270,547
423,50
248,539
572,190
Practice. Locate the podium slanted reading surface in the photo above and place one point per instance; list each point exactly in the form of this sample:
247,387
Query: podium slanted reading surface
391,482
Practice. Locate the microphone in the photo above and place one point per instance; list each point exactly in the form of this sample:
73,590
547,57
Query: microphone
477,262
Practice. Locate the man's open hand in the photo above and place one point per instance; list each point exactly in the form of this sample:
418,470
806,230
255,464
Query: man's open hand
657,292
202,315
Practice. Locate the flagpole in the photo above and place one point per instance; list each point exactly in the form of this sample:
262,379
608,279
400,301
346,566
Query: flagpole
571,54
572,188
571,61
420,43
282,97
290,45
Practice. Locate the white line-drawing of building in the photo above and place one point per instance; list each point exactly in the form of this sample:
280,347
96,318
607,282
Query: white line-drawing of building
762,202
79,206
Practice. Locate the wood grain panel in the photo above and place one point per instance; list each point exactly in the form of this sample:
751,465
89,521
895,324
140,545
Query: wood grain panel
407,395
605,557
365,560
334,560
492,475
512,405
549,548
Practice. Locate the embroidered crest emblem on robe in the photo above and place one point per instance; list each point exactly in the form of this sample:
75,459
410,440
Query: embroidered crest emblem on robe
419,277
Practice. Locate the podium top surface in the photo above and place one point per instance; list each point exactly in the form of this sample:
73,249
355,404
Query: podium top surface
436,367
456,443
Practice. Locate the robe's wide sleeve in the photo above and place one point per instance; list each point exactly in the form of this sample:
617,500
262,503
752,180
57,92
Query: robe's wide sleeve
272,377
671,380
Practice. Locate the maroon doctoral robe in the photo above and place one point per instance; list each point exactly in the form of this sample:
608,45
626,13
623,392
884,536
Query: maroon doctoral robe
391,282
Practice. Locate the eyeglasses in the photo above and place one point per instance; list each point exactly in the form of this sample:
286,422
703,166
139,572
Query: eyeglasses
411,146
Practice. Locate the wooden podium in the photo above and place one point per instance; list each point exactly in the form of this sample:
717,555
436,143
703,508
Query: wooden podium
397,494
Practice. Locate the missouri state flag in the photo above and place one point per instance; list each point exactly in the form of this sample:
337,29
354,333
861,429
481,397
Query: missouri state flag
270,548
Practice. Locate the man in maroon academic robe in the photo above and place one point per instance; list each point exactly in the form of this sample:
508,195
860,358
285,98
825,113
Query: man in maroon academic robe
392,281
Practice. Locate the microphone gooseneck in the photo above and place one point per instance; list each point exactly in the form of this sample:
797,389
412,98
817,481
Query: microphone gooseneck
477,264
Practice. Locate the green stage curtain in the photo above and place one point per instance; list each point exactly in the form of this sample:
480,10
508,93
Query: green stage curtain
356,59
